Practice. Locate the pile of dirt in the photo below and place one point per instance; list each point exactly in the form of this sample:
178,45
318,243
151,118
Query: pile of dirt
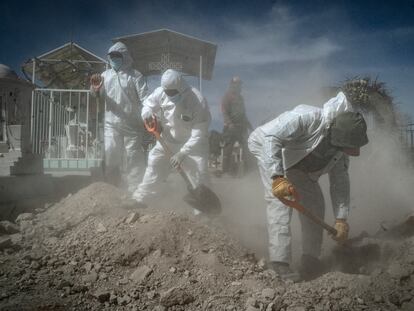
91,251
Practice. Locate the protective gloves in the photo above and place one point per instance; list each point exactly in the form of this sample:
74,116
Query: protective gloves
342,230
282,188
177,158
147,114
96,82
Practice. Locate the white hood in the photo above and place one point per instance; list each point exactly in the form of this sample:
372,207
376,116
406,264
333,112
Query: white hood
296,133
335,106
122,48
173,80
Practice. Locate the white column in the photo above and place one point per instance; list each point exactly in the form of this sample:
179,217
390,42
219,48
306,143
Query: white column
87,126
32,104
51,99
201,74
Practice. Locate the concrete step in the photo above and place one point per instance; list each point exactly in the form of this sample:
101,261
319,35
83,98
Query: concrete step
11,163
11,153
9,158
3,165
30,164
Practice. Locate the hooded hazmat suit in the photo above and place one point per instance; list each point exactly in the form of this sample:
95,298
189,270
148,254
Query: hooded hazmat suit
184,118
124,91
281,147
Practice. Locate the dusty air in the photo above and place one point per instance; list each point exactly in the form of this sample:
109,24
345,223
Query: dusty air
130,181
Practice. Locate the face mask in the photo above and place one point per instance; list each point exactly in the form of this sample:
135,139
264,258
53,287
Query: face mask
115,62
176,99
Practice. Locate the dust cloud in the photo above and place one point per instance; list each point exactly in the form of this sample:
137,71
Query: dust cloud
381,183
277,76
381,186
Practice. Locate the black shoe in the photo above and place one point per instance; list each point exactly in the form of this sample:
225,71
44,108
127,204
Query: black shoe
311,267
284,271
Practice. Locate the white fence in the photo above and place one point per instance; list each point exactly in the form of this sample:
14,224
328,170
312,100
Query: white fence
407,135
407,139
66,128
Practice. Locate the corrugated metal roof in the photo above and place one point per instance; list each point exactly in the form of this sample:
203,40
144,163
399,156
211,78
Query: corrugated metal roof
66,67
154,52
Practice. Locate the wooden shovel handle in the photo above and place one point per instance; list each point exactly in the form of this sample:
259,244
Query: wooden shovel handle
153,127
301,209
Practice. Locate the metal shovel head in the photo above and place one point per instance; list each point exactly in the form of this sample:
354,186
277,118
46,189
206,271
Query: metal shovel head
203,199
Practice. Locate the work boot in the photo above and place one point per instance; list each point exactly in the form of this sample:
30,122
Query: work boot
311,267
284,271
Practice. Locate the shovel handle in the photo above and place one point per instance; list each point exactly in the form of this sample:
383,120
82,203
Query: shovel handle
152,126
301,209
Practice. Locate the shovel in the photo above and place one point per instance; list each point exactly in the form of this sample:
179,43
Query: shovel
200,197
301,209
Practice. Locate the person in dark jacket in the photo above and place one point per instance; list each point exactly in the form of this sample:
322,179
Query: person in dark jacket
236,124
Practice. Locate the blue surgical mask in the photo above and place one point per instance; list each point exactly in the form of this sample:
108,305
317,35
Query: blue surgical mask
115,62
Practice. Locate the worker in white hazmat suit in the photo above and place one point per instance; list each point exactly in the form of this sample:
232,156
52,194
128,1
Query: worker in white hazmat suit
123,89
184,117
293,151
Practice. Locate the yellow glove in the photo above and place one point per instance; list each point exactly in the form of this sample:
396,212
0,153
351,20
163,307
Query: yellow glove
282,188
342,230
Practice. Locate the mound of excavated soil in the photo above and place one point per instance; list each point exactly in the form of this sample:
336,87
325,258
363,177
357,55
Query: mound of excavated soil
94,200
90,252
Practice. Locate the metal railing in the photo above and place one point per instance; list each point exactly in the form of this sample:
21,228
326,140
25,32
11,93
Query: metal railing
3,118
407,135
407,140
66,124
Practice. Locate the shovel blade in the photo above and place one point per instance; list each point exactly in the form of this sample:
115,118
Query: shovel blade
203,199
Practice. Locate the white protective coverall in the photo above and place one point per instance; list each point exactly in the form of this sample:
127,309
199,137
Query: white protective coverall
185,119
280,144
124,91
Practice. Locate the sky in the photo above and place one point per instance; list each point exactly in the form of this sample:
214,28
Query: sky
284,51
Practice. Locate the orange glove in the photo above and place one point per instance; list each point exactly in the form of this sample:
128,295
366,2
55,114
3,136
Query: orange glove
342,229
282,188
96,82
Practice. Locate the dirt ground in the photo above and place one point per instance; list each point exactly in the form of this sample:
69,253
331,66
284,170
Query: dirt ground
94,251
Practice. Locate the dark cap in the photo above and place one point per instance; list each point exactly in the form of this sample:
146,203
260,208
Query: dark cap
349,130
